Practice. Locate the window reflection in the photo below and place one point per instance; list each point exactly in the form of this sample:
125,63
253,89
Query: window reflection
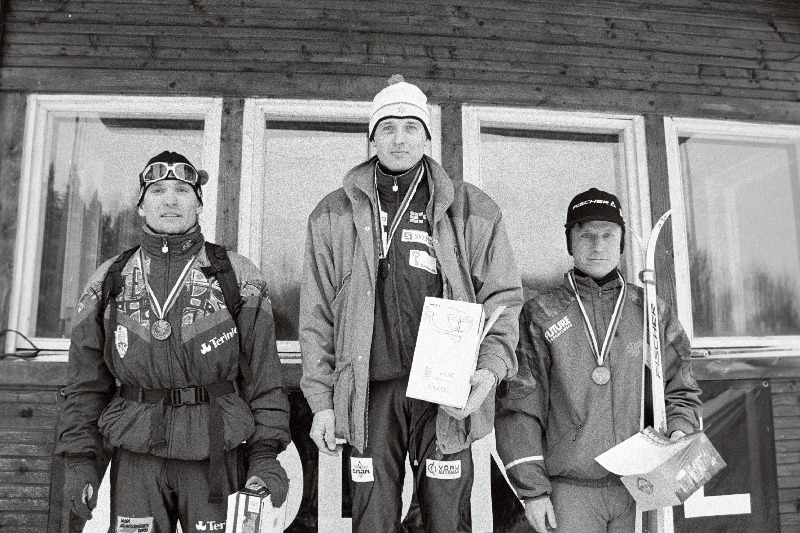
91,168
742,201
532,175
304,162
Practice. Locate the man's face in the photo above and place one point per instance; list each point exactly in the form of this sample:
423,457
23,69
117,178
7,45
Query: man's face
170,206
399,142
595,246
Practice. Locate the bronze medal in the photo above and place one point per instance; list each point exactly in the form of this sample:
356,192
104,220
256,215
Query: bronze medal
601,375
161,329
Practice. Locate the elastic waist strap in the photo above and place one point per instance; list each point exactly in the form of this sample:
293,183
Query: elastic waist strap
177,397
610,480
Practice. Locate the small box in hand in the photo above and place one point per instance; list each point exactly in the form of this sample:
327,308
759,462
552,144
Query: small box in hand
250,511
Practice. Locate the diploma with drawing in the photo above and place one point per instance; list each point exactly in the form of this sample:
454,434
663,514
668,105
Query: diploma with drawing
446,354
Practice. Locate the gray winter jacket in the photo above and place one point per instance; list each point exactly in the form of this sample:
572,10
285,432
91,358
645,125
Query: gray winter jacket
552,419
337,300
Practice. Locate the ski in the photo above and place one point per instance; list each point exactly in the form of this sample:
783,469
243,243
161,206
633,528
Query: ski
659,520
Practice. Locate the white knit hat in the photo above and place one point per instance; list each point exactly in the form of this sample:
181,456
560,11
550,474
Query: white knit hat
400,100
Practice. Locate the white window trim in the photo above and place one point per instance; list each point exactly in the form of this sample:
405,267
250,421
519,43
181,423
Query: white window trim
253,188
629,127
27,253
673,127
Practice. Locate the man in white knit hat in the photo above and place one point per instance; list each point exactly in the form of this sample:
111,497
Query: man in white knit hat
398,230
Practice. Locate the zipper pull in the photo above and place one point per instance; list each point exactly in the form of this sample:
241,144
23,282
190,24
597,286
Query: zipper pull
394,187
164,247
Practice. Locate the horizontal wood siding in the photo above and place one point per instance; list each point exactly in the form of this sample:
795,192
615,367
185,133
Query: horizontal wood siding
691,58
27,419
786,416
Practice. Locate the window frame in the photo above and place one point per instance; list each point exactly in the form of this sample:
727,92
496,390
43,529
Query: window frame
257,111
674,128
30,217
630,128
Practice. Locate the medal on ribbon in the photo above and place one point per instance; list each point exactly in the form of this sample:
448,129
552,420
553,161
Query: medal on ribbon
601,374
161,329
386,236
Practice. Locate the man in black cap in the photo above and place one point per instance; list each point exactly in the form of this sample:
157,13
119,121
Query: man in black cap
578,391
173,364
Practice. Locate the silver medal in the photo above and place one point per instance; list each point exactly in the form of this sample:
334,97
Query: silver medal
161,329
601,375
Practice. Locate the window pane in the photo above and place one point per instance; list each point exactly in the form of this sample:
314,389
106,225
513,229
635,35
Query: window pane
304,162
533,175
742,201
91,172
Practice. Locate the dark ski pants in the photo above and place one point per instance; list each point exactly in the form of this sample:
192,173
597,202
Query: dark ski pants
150,493
400,426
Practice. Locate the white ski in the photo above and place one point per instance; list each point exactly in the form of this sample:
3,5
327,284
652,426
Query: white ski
660,520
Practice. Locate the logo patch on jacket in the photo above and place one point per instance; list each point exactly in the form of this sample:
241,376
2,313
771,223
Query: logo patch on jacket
421,259
121,340
443,469
361,469
415,235
417,217
134,525
557,329
217,341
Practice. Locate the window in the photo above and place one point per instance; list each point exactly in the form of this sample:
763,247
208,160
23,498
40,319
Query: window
78,192
736,187
295,152
533,162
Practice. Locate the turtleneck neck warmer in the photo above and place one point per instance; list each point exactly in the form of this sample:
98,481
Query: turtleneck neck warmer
611,276
387,179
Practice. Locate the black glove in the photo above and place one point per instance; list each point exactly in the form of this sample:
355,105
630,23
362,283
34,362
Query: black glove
79,472
263,464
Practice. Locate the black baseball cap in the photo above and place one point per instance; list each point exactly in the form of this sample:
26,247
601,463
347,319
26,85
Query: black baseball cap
594,204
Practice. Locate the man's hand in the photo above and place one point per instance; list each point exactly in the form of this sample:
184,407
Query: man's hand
322,432
539,512
81,483
675,435
482,382
273,477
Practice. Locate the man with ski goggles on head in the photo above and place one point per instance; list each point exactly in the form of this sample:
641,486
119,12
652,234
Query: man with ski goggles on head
578,391
173,364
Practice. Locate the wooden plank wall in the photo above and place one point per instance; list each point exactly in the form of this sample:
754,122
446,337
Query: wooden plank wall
687,57
786,416
28,412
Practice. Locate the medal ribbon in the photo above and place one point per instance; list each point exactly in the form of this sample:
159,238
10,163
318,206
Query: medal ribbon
173,294
386,240
600,353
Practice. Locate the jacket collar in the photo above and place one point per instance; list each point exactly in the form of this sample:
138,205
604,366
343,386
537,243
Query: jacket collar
587,285
360,180
178,246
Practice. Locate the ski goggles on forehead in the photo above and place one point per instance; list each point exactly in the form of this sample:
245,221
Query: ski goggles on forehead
158,171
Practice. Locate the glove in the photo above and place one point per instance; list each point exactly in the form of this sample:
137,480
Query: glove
323,432
482,382
265,470
539,512
81,483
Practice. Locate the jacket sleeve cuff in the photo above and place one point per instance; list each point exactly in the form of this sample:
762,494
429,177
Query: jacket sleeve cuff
680,423
320,402
494,364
